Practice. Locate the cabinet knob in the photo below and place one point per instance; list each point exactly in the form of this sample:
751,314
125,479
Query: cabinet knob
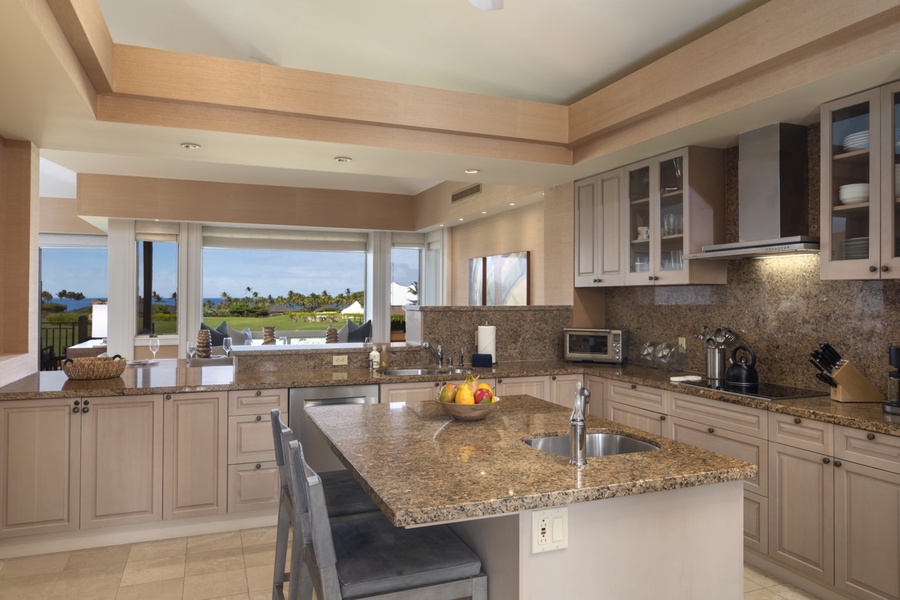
86,402
258,393
662,417
633,386
870,436
797,420
258,418
76,410
258,466
873,268
650,278
168,396
499,381
837,463
885,268
826,460
437,383
711,430
85,410
553,377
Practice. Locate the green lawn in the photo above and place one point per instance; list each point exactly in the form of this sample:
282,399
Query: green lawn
281,323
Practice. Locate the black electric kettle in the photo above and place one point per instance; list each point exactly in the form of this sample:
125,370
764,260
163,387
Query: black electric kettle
740,372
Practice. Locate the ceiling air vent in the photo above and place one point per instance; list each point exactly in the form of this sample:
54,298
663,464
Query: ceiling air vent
462,194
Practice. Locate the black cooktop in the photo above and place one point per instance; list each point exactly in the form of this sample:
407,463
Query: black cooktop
762,390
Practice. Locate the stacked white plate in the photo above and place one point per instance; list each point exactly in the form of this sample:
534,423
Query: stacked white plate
856,248
856,141
854,193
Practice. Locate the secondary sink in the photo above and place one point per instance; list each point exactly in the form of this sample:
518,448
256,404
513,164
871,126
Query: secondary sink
598,444
415,372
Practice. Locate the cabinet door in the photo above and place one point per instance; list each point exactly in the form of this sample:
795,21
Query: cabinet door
867,531
890,181
40,450
668,263
539,387
801,511
250,439
639,418
195,469
562,389
641,231
597,387
419,391
850,190
121,458
598,231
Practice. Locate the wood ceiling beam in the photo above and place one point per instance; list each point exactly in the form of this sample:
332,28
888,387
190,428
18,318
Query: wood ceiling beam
84,27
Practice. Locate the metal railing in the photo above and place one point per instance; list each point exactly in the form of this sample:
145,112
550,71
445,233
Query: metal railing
56,337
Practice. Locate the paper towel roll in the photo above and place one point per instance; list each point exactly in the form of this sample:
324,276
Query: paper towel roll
487,341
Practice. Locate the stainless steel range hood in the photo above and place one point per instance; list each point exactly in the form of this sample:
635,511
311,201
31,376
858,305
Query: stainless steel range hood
772,196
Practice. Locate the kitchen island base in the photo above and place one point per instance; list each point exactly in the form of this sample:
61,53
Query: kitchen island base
683,544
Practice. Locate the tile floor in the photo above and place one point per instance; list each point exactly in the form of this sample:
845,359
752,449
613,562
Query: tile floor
226,566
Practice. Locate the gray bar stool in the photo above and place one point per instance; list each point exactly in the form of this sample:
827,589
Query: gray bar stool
366,557
342,491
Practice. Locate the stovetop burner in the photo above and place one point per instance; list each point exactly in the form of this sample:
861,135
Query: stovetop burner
762,390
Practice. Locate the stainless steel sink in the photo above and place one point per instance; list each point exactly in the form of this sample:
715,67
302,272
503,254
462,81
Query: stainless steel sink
416,372
598,444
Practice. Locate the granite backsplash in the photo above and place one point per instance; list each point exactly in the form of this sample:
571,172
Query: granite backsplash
779,306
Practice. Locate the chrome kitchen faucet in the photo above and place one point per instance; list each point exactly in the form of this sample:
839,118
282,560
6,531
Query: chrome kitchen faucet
577,428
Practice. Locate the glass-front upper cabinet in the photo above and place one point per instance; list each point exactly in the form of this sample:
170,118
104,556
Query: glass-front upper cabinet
675,205
640,230
858,195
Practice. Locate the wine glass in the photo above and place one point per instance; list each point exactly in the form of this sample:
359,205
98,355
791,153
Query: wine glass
191,349
154,346
226,346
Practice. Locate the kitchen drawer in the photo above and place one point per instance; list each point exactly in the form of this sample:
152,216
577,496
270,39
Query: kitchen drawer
877,450
639,418
253,486
254,402
799,432
735,445
250,439
640,396
756,522
721,415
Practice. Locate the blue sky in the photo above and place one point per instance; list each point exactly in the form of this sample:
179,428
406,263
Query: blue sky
269,272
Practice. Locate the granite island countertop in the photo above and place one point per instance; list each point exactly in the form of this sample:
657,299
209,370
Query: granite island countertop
174,376
423,467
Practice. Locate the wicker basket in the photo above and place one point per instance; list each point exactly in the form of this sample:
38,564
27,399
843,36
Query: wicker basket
94,367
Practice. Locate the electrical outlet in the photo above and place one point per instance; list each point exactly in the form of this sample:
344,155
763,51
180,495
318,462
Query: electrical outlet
550,529
339,360
682,342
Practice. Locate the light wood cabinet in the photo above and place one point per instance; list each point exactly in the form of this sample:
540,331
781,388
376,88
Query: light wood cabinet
253,477
599,231
860,188
121,460
40,460
539,387
674,204
597,387
638,406
563,387
195,453
867,513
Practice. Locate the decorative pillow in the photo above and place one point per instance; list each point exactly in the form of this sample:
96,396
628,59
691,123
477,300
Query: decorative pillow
360,334
215,336
344,332
239,338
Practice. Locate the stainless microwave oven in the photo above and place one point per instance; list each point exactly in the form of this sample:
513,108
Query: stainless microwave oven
595,345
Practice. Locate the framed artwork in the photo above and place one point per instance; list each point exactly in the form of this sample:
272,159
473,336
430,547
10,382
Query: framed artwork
476,281
506,280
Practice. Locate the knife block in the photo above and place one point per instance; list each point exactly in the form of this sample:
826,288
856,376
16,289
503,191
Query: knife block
853,386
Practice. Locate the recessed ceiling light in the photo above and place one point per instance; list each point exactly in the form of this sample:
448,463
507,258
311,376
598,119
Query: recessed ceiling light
343,159
471,171
190,146
484,212
512,203
461,219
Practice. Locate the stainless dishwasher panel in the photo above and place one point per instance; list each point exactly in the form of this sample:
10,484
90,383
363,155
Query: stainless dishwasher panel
316,450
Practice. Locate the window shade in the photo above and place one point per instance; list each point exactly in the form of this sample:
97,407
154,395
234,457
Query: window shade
284,239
